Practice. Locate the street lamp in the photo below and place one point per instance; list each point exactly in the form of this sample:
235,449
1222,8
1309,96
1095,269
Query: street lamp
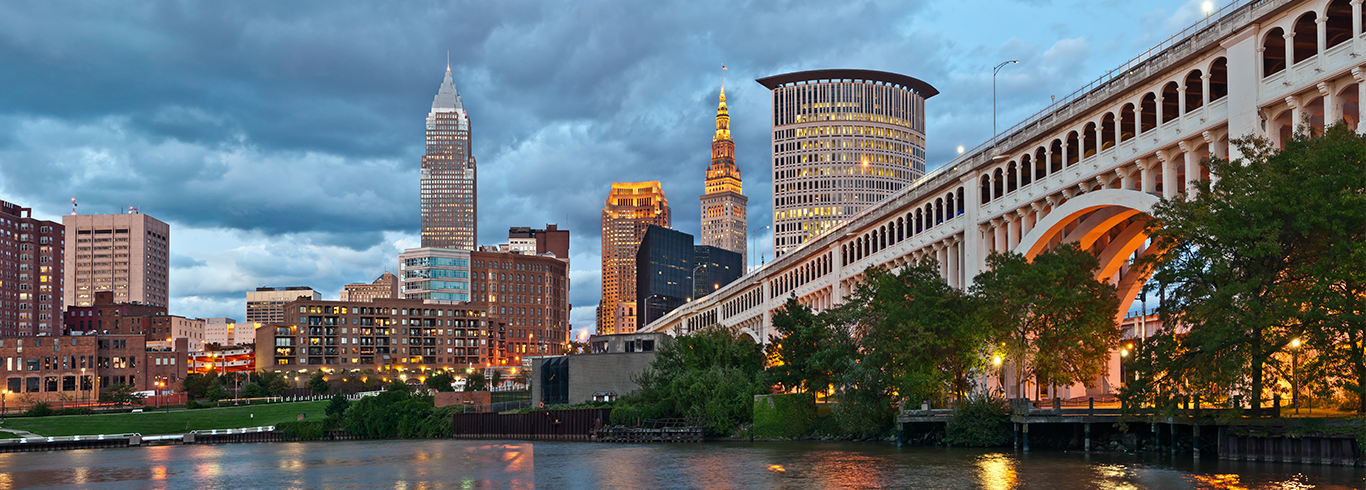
751,243
1294,374
993,99
2,403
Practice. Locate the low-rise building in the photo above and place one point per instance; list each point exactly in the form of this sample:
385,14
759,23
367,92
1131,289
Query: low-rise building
70,368
266,304
385,287
603,374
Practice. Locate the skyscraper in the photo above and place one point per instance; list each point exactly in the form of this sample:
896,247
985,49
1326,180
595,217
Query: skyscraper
31,264
448,174
630,209
723,205
129,254
842,140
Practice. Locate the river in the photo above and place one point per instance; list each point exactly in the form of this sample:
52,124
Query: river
436,464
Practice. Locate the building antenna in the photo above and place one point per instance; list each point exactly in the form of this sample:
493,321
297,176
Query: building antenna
73,206
448,60
723,77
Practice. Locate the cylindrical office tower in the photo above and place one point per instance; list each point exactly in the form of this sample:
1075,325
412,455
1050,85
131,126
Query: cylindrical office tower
842,140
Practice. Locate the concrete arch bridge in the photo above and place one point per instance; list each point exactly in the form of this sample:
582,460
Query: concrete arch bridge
1088,169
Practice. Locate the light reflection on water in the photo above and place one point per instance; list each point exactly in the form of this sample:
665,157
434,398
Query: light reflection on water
430,465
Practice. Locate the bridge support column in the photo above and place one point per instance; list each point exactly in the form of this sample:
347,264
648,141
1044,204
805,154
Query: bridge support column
1012,231
1358,74
1025,436
1195,440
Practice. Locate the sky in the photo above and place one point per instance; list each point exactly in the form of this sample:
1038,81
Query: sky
282,140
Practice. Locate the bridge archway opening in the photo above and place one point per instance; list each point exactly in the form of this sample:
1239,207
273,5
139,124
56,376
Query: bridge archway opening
1273,52
1127,121
1148,113
1195,90
1306,40
1350,102
1170,102
1109,223
1338,27
1218,79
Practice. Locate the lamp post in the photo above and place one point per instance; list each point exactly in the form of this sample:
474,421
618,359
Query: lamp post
993,98
1295,374
751,242
2,403
85,393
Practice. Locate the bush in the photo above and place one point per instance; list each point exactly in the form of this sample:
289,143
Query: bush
40,409
75,411
786,415
438,423
981,420
303,430
338,405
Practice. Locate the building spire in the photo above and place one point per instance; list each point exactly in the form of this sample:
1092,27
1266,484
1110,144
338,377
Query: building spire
447,99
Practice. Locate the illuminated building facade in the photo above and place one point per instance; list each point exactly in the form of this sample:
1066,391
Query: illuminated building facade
266,305
631,208
128,254
438,274
842,140
448,193
385,287
388,336
527,292
31,273
723,205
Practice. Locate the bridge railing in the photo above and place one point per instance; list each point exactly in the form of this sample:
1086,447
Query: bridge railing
1118,73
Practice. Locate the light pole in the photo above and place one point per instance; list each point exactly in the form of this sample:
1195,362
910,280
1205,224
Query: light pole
1295,374
2,403
993,98
751,243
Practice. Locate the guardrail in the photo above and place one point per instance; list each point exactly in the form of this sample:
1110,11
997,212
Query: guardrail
244,430
96,437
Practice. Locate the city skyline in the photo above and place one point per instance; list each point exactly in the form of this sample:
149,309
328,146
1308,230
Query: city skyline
289,158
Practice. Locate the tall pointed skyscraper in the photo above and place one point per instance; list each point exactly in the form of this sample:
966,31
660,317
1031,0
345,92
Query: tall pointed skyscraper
449,189
723,206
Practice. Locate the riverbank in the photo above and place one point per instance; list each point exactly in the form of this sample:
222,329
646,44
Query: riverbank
154,422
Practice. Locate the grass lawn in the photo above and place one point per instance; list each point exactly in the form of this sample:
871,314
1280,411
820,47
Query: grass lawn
173,422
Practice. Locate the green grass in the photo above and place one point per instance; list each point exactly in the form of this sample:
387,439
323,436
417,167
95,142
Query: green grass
174,422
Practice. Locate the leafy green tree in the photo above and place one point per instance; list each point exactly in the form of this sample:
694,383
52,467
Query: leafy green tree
1055,321
318,383
496,380
805,351
393,413
441,381
713,373
197,385
337,405
122,394
253,390
476,381
1270,252
274,382
399,385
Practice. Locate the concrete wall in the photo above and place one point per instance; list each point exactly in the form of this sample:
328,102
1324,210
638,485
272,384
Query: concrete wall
605,372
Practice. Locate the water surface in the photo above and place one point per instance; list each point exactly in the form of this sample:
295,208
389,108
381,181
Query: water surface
437,464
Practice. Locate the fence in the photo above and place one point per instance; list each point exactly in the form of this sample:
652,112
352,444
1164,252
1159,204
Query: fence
572,424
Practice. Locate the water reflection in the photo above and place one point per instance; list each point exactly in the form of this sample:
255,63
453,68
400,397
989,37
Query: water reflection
430,465
996,471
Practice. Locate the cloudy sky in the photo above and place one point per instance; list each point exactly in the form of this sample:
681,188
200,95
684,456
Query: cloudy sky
281,140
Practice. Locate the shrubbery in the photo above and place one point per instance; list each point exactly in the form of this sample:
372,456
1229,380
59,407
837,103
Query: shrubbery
981,420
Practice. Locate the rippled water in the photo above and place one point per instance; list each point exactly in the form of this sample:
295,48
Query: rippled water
426,464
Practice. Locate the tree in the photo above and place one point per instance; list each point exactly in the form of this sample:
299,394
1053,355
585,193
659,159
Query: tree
441,381
318,383
337,405
1269,252
476,381
496,379
1053,319
273,381
198,385
805,351
122,394
713,373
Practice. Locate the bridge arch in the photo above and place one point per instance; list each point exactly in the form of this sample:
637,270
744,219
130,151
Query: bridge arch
1108,222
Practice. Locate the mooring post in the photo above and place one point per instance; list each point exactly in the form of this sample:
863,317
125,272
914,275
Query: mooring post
1088,437
1026,437
1015,435
1195,437
1173,441
900,434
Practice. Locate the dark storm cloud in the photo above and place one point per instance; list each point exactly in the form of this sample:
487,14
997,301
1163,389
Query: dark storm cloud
293,130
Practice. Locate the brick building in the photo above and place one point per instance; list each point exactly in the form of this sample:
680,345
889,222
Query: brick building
384,335
78,367
385,287
529,293
106,317
32,258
